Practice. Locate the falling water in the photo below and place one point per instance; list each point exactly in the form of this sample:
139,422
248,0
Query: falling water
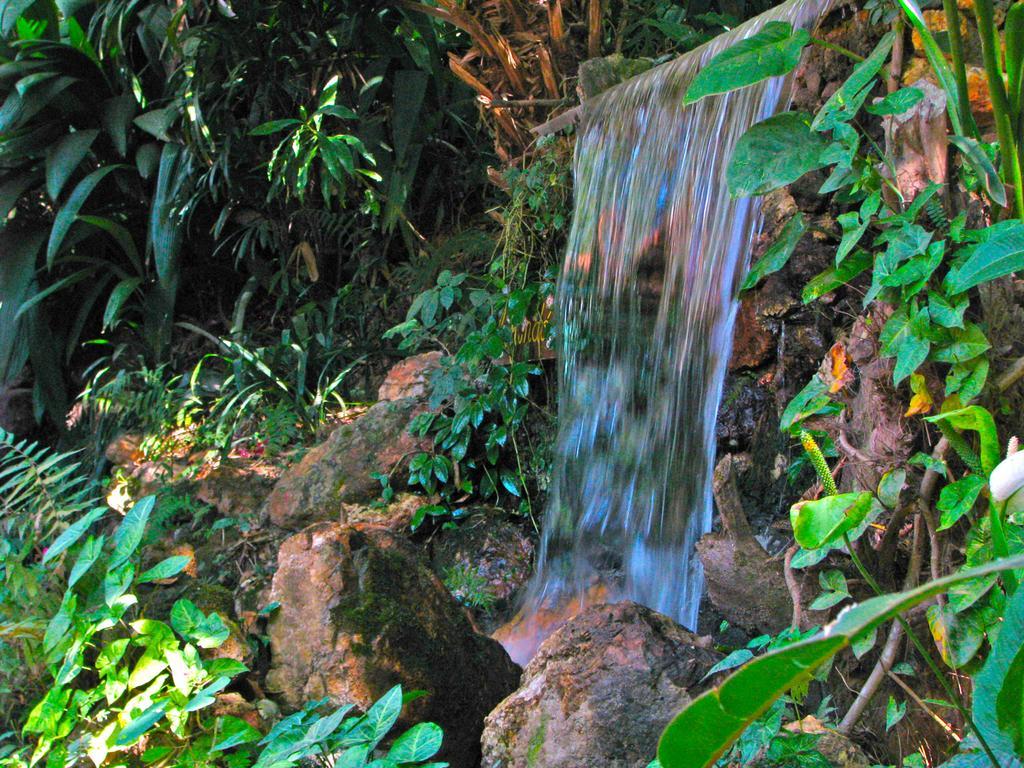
647,302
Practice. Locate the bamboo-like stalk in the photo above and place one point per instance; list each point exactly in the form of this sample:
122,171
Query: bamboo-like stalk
956,50
1011,168
594,29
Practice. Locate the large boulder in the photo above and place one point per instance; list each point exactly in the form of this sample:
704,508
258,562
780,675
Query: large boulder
599,692
360,613
340,470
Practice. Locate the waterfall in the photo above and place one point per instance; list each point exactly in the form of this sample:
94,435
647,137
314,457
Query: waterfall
647,299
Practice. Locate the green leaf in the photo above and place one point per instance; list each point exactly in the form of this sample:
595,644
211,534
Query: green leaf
964,345
116,115
890,486
774,153
836,277
166,569
274,126
207,695
190,622
843,105
64,157
233,731
72,534
939,66
896,103
948,311
87,557
69,211
118,297
141,724
421,742
778,253
129,534
735,659
975,419
710,724
905,336
822,522
957,499
894,712
957,636
809,401
997,706
157,122
1000,255
380,718
772,52
978,161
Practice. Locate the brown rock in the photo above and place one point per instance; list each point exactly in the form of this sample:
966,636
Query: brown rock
492,549
124,449
409,378
233,488
338,471
752,343
360,613
598,693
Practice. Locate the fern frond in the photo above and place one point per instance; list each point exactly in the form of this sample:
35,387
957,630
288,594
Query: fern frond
41,491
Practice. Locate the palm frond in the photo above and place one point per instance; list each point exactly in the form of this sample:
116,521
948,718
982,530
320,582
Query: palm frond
41,490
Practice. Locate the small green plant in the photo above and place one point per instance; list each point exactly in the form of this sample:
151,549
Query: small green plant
469,587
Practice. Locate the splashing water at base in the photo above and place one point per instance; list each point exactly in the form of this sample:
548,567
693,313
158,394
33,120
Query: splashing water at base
647,303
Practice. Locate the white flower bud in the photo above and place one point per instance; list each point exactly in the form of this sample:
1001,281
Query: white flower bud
1008,477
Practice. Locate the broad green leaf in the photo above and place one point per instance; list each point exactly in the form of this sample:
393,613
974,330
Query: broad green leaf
87,557
894,712
822,522
69,211
146,669
116,116
703,731
967,379
957,499
896,103
165,228
958,636
421,742
774,153
964,344
772,52
735,659
118,297
1000,255
233,731
836,277
274,126
190,622
998,688
157,122
890,486
905,337
844,104
380,718
64,157
809,401
72,534
141,724
974,418
129,534
778,253
982,167
948,311
166,569
207,695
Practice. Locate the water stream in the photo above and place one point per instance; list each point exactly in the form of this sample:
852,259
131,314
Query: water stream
646,307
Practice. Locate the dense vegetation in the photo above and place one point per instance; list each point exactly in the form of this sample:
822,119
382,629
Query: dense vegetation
221,223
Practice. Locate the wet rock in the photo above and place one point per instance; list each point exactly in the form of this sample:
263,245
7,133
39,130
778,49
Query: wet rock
747,403
339,470
752,344
491,555
598,693
598,75
744,583
410,378
360,613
